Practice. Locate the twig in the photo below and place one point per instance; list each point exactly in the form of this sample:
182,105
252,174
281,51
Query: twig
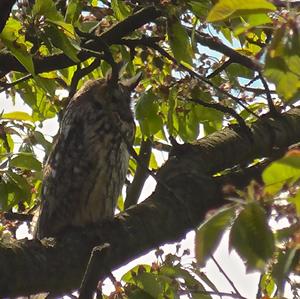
80,73
272,108
135,188
91,277
17,216
220,69
101,46
226,276
161,146
237,296
112,36
205,80
8,85
257,91
223,109
215,43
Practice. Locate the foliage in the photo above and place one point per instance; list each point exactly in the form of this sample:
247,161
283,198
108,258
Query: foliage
193,85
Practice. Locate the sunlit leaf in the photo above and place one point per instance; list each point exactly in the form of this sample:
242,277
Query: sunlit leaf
199,8
179,41
17,115
225,9
296,201
26,161
120,9
281,172
129,276
47,9
73,11
149,283
267,285
16,43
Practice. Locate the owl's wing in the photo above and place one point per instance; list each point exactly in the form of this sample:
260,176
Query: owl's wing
60,186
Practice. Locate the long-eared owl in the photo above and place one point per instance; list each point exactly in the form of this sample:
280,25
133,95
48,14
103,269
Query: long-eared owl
85,171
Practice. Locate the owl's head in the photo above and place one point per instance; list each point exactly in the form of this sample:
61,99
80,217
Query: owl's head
115,97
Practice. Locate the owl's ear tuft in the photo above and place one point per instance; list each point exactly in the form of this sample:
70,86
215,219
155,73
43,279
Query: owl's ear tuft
131,84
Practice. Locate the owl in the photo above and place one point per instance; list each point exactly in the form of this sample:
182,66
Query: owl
85,171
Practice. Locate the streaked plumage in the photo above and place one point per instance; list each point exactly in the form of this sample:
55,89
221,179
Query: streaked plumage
86,169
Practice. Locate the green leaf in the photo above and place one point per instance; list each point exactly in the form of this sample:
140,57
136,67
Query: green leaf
21,182
120,203
287,83
48,85
267,285
131,274
172,120
252,237
281,172
73,11
199,8
13,189
146,111
17,115
177,272
39,138
188,126
3,195
153,163
16,43
286,233
179,41
139,294
296,201
209,234
26,161
66,28
46,8
121,10
150,283
61,41
225,9
284,266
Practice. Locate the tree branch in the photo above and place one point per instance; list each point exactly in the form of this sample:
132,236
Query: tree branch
135,188
58,265
216,44
9,63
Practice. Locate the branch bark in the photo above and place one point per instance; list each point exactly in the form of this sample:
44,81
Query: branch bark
9,63
167,215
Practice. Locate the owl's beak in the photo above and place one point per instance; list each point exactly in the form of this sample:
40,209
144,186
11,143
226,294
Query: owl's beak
131,84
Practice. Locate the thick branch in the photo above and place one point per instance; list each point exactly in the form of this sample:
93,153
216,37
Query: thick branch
33,266
216,44
9,63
